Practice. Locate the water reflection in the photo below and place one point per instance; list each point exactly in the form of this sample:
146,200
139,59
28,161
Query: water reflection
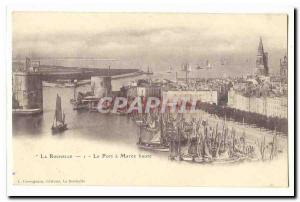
81,124
29,124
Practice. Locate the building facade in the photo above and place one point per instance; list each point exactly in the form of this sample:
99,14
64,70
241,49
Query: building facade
268,106
144,91
101,86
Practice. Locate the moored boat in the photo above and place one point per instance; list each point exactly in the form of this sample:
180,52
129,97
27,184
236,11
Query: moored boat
170,70
156,142
59,124
153,147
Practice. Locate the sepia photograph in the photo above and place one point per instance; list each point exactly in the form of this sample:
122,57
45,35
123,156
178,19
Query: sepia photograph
159,99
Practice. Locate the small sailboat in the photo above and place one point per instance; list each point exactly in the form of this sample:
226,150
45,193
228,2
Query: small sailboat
199,67
59,124
149,72
207,65
170,70
155,144
152,126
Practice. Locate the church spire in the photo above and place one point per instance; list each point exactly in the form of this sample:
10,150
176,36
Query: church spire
261,60
260,49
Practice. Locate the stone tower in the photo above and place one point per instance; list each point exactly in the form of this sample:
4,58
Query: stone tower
284,67
262,68
27,90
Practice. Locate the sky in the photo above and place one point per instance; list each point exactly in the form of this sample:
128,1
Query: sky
156,39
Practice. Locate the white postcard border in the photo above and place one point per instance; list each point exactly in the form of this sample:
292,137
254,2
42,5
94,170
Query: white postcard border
153,6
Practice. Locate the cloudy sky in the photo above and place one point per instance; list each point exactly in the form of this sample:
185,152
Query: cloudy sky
142,39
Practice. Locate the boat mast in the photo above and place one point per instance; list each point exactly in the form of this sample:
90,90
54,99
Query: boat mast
54,120
186,74
179,142
58,109
75,86
140,133
243,127
197,137
64,116
161,130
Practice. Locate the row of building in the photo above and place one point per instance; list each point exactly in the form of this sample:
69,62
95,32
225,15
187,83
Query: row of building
148,90
268,106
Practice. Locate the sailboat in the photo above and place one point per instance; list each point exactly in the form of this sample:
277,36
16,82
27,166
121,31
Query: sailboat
59,124
156,143
152,126
149,72
170,70
175,143
199,67
206,65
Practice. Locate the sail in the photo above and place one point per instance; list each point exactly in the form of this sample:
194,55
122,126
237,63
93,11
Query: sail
152,125
156,137
58,111
64,117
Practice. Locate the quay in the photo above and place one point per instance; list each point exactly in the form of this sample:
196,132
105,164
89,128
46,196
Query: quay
53,73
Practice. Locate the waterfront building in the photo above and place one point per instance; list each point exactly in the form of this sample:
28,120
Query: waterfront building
270,106
101,86
237,101
146,90
207,96
277,107
262,68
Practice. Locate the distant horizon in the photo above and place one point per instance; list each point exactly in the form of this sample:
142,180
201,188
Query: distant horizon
246,67
158,40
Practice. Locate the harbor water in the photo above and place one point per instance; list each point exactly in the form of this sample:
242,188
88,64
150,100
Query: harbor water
92,133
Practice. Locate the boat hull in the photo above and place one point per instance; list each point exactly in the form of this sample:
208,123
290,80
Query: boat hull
187,158
80,106
58,129
153,147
